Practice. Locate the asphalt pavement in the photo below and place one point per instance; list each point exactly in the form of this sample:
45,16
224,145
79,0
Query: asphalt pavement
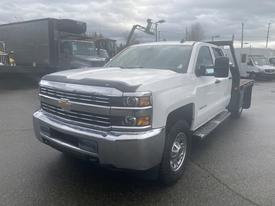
235,165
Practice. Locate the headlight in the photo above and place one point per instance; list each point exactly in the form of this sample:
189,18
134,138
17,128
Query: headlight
137,99
137,121
132,110
130,121
142,101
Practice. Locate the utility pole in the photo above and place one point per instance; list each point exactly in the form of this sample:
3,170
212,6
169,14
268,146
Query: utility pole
242,35
233,37
267,36
186,34
159,39
156,31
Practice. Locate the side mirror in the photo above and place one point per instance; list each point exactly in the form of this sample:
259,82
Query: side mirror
221,68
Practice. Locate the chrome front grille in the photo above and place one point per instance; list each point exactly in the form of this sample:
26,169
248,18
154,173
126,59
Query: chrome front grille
77,117
270,70
76,97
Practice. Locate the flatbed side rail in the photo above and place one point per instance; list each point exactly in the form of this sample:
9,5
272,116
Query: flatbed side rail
246,83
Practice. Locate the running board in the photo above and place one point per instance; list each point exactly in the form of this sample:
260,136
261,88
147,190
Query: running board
204,130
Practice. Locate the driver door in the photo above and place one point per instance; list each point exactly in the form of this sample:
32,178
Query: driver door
209,91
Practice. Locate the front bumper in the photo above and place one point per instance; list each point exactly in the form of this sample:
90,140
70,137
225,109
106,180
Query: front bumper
267,75
135,150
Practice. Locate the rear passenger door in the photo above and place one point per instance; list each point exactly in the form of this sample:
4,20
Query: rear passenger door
224,85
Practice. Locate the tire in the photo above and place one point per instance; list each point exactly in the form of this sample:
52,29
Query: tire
252,76
176,135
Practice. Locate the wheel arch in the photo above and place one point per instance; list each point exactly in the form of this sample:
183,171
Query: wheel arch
185,112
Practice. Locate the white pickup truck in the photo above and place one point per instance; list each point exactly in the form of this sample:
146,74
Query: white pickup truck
142,110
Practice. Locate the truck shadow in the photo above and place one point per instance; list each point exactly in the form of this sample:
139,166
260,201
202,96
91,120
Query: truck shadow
219,137
84,182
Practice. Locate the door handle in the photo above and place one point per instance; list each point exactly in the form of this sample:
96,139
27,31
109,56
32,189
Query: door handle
217,81
229,77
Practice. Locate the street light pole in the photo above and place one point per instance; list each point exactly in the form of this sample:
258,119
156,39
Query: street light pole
156,31
242,35
267,36
156,28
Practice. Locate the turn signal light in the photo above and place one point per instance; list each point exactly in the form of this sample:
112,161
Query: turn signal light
143,121
144,101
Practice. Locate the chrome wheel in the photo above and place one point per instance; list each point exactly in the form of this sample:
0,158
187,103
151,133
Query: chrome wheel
178,152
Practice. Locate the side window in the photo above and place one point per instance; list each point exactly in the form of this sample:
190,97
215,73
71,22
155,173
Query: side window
66,48
243,58
250,63
205,59
217,52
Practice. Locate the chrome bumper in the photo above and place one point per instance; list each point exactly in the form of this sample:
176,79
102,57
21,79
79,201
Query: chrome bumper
265,74
135,150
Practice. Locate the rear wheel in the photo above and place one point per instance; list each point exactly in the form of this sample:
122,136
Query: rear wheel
252,76
176,152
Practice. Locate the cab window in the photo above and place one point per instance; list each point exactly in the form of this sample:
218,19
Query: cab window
250,63
217,52
205,59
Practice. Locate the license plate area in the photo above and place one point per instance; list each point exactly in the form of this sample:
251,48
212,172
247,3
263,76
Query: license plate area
82,143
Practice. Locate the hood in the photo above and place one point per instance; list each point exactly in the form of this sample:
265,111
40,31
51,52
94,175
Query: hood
126,80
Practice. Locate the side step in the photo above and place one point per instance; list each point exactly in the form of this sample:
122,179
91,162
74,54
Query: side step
204,130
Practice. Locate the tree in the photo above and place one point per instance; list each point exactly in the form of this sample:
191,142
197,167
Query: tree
195,32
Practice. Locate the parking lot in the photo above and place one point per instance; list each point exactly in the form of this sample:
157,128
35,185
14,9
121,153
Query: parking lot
235,165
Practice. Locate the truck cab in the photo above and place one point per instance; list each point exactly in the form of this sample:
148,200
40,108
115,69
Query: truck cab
80,53
142,110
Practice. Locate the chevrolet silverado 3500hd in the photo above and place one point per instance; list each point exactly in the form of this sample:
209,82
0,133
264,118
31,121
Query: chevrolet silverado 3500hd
142,110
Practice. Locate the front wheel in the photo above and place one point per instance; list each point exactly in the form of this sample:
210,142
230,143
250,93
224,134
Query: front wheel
176,153
252,76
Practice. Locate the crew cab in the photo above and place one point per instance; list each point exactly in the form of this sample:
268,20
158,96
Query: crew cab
142,110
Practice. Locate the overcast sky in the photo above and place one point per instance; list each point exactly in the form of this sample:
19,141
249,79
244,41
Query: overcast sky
115,18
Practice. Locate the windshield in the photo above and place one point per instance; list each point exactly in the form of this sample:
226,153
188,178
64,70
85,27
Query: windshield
84,48
172,57
260,60
272,61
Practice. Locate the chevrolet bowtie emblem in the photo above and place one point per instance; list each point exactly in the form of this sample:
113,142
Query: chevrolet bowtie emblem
64,103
